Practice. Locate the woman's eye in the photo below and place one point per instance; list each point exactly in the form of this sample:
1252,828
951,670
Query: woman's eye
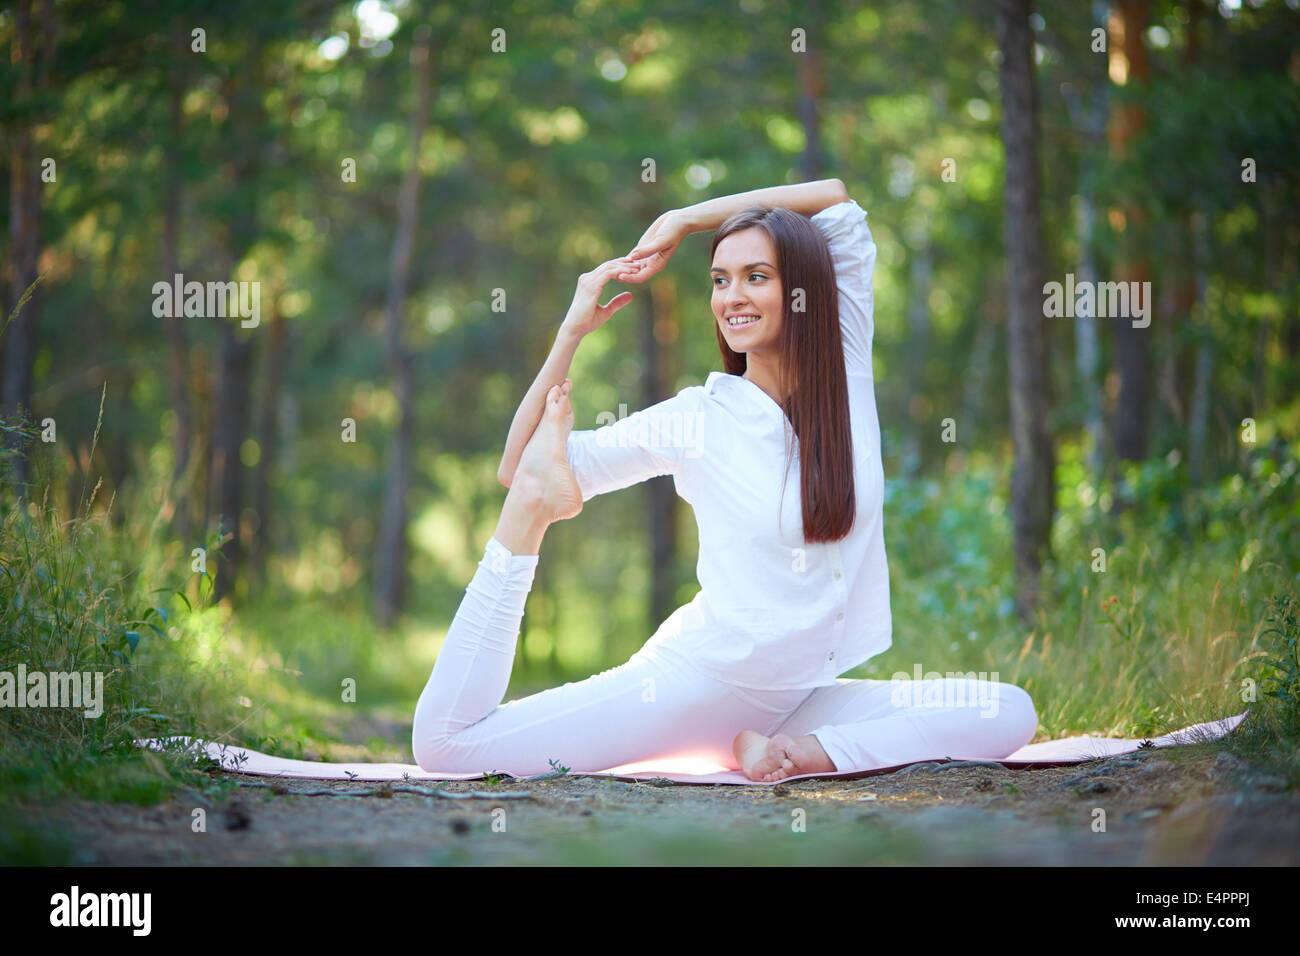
751,275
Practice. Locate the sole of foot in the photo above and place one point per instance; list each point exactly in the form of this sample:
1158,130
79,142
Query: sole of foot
544,465
769,759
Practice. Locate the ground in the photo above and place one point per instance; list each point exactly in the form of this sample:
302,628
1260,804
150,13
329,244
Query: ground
1187,806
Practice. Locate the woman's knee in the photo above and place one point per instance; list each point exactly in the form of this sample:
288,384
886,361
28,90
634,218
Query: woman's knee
429,749
443,753
1018,711
433,743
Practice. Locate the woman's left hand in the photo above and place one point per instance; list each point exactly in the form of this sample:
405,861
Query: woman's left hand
656,247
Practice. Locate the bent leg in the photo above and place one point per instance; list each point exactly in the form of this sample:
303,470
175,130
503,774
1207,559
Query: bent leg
868,724
653,706
472,671
645,709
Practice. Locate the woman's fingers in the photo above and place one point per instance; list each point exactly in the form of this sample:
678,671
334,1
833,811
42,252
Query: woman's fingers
616,303
612,265
597,277
637,271
647,246
648,267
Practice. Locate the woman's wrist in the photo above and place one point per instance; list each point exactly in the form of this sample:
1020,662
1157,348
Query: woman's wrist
568,335
697,217
683,223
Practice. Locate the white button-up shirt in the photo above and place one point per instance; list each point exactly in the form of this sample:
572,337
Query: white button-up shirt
773,612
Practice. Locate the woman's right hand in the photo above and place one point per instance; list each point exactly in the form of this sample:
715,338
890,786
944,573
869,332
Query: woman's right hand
586,314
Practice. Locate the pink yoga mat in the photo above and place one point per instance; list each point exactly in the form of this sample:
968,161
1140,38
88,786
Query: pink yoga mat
1049,753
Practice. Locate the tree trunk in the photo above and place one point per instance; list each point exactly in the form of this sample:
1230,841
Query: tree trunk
1087,356
657,323
918,324
1194,292
811,91
1275,221
24,228
178,350
267,440
1031,498
1090,117
229,426
1128,62
390,558
204,427
1199,414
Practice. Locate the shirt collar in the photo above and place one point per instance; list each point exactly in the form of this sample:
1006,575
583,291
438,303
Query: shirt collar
745,390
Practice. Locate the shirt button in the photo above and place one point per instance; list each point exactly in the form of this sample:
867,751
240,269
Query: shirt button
832,657
838,575
839,617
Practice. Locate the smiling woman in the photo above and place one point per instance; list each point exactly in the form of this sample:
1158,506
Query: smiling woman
792,592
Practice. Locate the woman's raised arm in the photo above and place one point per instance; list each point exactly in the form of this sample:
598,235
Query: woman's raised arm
585,315
805,198
660,241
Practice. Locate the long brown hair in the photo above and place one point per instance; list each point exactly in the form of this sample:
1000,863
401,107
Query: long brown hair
811,368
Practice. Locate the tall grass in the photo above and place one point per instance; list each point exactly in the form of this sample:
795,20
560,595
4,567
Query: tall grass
78,594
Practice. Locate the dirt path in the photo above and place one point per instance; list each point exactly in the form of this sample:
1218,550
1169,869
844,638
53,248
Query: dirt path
1186,806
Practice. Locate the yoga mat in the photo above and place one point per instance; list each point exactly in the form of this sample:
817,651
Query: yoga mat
1048,753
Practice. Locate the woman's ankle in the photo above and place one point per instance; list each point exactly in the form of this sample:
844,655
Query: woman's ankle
523,523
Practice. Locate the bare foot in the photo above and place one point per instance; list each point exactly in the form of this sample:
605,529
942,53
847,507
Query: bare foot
768,760
544,464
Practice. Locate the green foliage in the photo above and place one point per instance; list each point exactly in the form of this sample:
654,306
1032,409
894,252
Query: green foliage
78,596
69,603
1283,669
1150,633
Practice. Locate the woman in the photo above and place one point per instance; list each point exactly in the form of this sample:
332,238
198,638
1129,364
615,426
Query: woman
794,587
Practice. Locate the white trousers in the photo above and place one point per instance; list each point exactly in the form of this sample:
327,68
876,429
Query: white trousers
658,705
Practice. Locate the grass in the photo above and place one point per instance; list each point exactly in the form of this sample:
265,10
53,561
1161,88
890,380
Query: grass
79,594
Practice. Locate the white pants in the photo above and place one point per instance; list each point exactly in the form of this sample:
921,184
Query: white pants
657,705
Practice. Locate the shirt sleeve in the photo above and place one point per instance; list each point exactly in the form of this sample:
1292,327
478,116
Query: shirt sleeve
854,253
658,440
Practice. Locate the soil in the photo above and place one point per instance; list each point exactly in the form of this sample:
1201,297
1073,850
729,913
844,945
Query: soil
1185,806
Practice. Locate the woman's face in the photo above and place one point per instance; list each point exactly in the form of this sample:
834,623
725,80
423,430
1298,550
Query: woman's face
746,283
